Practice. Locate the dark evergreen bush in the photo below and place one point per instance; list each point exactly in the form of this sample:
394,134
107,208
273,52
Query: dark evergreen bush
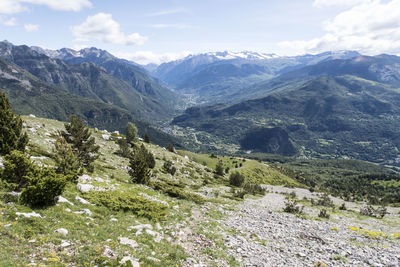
169,167
11,135
17,170
219,168
44,185
236,179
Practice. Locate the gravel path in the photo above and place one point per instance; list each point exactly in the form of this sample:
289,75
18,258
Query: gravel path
267,237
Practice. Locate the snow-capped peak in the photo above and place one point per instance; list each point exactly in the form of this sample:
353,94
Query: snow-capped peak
244,55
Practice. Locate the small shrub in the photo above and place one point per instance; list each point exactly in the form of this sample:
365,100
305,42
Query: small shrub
254,189
236,179
292,207
226,170
128,201
219,168
169,167
17,170
176,192
372,212
323,213
324,200
44,185
239,193
343,206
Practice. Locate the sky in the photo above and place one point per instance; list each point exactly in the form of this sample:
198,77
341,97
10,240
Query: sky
156,31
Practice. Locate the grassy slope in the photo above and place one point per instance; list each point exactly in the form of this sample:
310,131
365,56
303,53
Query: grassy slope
24,240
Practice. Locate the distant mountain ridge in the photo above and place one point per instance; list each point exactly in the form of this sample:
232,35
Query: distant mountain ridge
216,76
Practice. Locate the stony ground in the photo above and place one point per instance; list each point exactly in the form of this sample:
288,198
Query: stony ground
265,236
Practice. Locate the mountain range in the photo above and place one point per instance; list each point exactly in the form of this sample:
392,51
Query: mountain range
330,105
344,108
54,88
220,76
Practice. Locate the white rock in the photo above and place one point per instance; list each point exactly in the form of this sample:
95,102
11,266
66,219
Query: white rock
140,227
105,137
65,244
83,201
113,220
61,199
68,210
84,211
135,262
127,241
116,132
84,187
84,178
32,116
61,231
158,226
28,215
33,130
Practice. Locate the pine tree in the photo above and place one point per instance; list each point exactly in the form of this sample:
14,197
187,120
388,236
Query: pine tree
11,136
139,168
83,145
131,133
171,147
148,156
147,137
66,161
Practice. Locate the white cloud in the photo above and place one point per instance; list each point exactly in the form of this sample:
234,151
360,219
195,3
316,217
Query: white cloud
146,57
172,26
31,27
17,6
330,3
8,21
102,27
167,12
11,7
371,28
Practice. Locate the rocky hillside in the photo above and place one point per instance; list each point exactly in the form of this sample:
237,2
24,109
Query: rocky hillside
192,217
